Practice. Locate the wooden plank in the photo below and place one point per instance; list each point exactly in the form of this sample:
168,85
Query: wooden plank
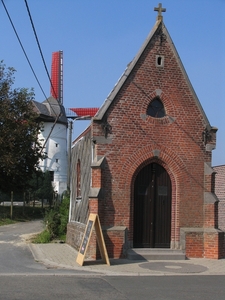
93,221
81,151
86,239
101,242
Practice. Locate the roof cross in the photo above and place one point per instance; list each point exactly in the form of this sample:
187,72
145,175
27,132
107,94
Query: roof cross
159,10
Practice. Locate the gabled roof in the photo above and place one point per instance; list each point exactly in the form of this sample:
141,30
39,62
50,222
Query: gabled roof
101,112
49,110
40,108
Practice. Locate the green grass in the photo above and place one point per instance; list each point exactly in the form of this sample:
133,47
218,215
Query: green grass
42,238
20,214
45,237
55,218
62,237
6,222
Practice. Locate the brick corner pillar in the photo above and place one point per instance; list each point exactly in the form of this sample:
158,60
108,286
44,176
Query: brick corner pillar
96,187
214,244
213,237
210,210
95,196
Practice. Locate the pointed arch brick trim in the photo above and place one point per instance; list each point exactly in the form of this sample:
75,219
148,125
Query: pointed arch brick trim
172,164
168,106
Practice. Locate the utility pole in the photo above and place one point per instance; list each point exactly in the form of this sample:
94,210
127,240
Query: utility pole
70,127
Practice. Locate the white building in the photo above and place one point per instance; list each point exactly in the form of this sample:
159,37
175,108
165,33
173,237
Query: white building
54,139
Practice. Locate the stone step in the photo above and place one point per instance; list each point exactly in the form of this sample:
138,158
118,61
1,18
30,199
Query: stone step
155,254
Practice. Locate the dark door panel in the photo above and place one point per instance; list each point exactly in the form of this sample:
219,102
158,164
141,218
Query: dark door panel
152,208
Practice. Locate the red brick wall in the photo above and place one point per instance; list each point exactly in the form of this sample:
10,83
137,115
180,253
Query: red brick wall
115,243
207,243
135,136
194,244
136,139
213,243
96,177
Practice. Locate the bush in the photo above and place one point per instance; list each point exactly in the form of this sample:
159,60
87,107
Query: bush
56,219
52,221
64,215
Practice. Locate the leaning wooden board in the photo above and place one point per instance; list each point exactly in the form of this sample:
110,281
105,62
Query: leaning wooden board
93,222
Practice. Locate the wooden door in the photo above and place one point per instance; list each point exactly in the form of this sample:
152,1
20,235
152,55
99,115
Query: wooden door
152,208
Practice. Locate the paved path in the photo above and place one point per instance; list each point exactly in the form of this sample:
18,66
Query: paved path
57,255
63,257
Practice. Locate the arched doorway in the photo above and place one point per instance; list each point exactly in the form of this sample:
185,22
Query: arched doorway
152,208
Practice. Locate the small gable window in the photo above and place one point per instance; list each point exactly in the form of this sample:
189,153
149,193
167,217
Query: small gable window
159,61
156,108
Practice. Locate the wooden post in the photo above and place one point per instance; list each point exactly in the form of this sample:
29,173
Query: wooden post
24,199
11,210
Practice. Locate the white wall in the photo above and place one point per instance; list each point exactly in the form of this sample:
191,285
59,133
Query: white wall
56,148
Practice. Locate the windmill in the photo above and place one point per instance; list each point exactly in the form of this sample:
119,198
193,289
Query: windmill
56,120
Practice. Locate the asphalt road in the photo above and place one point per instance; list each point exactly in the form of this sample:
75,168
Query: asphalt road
15,255
23,278
95,287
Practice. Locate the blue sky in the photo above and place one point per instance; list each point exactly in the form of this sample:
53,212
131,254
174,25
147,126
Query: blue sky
100,37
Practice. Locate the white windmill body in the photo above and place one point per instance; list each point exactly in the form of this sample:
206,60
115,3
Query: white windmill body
54,139
53,136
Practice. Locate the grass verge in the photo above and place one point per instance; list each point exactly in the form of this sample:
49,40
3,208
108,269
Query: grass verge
55,220
20,214
6,222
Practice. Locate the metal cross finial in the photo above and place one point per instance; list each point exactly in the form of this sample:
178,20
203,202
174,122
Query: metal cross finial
159,10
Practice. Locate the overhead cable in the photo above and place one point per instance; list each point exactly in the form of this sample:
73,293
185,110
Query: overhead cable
39,47
23,48
57,116
42,56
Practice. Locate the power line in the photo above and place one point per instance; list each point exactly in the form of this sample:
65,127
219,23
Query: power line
39,47
57,116
42,56
23,48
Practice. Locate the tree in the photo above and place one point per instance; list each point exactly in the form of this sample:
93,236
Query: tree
20,149
46,190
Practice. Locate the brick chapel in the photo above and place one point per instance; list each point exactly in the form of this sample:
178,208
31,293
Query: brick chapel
144,163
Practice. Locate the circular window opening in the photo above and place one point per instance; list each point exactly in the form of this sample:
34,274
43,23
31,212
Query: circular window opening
156,108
